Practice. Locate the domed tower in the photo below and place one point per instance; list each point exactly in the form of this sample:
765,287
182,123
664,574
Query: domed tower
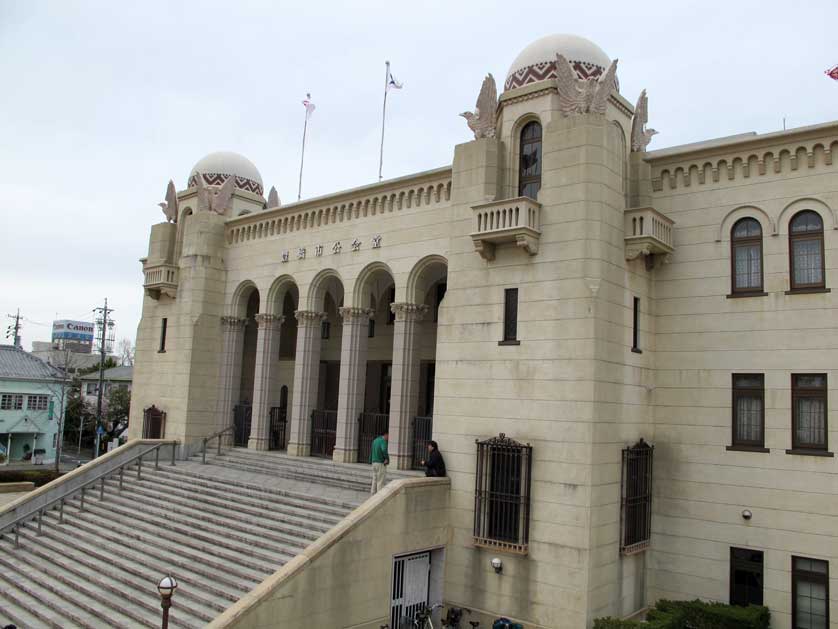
179,337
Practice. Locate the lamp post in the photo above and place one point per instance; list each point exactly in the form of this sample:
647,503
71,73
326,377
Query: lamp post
166,587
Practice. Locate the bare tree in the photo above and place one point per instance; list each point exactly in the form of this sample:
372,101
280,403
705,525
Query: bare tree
126,352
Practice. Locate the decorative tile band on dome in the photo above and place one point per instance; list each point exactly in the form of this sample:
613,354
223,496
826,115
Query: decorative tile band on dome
217,179
547,70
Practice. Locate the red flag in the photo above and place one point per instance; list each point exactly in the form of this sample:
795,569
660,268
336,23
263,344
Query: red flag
833,73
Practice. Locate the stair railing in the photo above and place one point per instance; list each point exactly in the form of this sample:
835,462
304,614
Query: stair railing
213,436
59,501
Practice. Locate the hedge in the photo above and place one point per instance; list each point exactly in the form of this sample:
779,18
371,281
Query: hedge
694,615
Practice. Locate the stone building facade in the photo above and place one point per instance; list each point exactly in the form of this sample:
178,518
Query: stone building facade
559,284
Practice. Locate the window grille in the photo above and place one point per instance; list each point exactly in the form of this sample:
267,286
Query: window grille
154,423
636,493
502,494
510,315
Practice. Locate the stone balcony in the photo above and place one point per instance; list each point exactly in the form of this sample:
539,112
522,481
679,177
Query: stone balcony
648,232
515,221
160,279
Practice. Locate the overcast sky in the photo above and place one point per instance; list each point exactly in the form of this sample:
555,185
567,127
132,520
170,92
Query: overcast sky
101,103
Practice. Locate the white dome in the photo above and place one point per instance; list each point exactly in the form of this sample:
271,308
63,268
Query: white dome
537,62
216,167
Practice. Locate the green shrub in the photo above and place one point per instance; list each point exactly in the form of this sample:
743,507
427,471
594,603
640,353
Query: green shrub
694,615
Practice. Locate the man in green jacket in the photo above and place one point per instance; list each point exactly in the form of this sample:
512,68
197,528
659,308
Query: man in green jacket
379,459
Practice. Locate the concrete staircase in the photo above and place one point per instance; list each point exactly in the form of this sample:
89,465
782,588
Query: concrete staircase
219,528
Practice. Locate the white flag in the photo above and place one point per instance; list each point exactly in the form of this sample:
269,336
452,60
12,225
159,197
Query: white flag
392,83
309,106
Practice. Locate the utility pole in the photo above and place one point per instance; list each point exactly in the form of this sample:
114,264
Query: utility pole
105,337
13,330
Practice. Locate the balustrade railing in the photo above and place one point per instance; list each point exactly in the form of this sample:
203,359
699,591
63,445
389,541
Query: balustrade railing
370,426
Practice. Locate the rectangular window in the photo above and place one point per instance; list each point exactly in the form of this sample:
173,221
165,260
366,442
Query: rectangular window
502,494
11,401
809,593
745,576
163,325
636,497
510,316
748,410
91,388
808,412
635,331
325,329
371,328
37,402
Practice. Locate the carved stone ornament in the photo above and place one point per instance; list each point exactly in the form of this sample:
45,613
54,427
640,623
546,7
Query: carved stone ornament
351,312
218,201
634,252
170,205
483,121
233,322
640,135
405,310
266,320
581,96
309,316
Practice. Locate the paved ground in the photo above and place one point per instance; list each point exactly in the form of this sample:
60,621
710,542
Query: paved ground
7,498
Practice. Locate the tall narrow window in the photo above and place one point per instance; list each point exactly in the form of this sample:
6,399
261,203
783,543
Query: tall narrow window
809,593
325,329
510,317
163,325
745,576
635,329
636,499
806,251
746,256
808,412
371,328
748,410
391,316
502,494
529,174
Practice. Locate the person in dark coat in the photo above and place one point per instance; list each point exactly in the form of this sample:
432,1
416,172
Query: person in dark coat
434,464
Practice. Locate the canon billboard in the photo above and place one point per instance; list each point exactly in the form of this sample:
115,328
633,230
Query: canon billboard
77,336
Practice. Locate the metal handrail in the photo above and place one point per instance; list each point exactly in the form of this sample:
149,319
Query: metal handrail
21,519
215,435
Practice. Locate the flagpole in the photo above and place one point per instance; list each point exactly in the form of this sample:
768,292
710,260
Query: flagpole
383,117
302,159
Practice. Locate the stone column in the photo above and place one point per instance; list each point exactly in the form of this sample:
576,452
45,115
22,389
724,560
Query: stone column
231,368
404,392
353,377
267,355
306,380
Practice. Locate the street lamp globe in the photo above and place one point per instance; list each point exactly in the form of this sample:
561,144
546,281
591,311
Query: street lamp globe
167,586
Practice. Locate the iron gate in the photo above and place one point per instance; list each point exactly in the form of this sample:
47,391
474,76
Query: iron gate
242,416
411,578
278,436
423,428
370,426
154,423
324,426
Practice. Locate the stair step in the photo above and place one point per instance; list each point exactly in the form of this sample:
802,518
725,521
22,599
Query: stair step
311,476
11,613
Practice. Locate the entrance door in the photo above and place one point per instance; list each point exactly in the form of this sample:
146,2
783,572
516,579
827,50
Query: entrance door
411,577
242,416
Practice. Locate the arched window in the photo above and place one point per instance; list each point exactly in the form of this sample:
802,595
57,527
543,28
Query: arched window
746,256
806,251
529,176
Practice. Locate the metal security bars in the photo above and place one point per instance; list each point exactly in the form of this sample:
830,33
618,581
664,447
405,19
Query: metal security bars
370,426
242,419
154,423
423,428
502,494
278,436
323,432
636,493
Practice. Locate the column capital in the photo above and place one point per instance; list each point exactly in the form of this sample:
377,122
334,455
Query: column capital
309,316
405,311
233,322
267,320
351,312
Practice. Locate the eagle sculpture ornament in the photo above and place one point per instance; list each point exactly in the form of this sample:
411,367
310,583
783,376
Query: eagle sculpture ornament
214,201
169,206
640,135
581,96
484,119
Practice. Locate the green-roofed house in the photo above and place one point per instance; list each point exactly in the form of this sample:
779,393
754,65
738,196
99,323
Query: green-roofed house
31,399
